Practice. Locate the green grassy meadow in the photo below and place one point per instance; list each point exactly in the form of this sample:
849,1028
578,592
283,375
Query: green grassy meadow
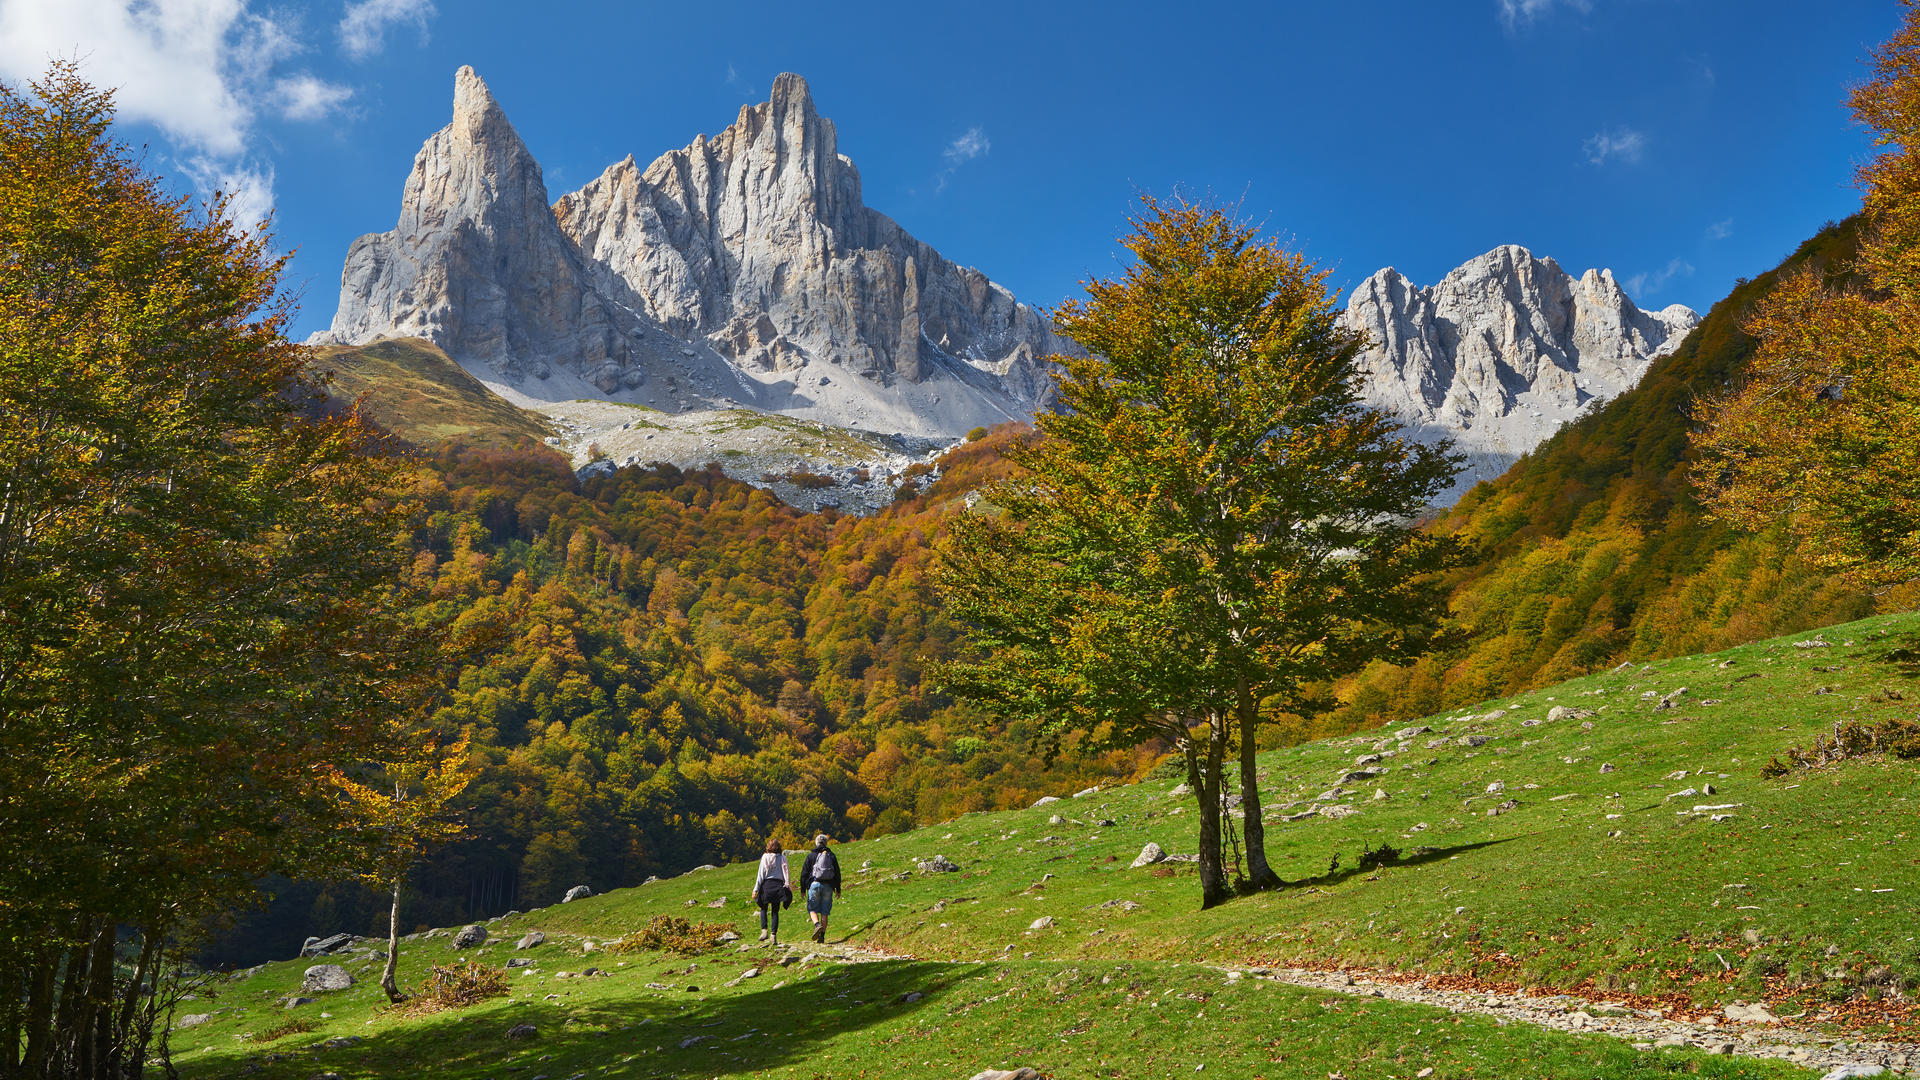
1600,881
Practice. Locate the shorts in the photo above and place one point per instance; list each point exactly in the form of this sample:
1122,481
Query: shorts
820,898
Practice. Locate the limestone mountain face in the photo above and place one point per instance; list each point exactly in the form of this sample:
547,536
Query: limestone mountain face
744,269
1503,351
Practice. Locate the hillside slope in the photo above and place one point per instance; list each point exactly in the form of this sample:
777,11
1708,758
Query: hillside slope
1638,857
1597,550
417,392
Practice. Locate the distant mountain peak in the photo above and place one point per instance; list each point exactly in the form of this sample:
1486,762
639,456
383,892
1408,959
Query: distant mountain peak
741,269
1503,350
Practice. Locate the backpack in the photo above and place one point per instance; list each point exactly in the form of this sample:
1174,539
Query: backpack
826,868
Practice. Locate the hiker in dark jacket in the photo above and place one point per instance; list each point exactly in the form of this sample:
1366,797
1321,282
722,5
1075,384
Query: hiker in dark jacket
820,880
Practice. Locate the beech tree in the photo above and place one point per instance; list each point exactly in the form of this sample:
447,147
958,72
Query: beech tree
1823,432
200,609
1210,525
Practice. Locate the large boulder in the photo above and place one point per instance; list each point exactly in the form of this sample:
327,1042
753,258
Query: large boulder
470,937
578,892
324,978
530,939
325,945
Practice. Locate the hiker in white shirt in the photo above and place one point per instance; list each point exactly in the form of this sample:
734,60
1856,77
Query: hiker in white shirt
771,891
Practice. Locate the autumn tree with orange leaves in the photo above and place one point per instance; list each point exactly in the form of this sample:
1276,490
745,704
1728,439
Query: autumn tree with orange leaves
201,621
1823,433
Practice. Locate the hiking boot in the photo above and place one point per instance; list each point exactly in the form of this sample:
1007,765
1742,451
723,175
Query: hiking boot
820,934
763,935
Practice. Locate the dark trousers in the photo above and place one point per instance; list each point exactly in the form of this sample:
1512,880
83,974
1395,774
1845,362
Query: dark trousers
770,917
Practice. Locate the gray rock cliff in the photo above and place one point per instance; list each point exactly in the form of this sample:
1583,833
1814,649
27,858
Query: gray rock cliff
1503,351
744,269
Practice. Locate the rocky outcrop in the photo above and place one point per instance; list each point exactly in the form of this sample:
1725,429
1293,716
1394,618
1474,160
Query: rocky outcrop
1503,351
743,269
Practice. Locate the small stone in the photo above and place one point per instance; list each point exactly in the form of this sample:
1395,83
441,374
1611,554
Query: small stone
193,1020
1180,789
322,946
519,1032
911,997
530,939
1749,1014
470,937
1505,807
1607,768
1472,740
939,864
296,1002
578,892
1056,820
1149,855
1496,787
520,962
1424,1073
1045,799
1041,923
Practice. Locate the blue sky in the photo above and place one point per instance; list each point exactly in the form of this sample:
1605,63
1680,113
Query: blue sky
1682,143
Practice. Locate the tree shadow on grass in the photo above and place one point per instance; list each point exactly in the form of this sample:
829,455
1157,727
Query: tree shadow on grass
1420,857
676,1033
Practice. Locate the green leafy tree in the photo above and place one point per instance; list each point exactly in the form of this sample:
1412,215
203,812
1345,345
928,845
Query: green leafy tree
1210,525
199,610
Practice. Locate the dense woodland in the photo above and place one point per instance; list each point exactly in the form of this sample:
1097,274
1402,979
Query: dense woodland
689,666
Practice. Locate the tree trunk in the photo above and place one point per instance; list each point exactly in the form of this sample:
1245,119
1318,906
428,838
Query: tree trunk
1254,829
1204,777
387,982
40,1012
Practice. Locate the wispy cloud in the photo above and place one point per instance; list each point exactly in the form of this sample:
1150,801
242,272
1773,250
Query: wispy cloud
740,85
1515,14
1651,283
1720,230
972,144
202,71
304,97
1620,144
363,30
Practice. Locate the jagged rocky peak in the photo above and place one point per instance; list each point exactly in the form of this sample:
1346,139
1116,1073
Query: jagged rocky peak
477,264
758,242
1503,351
742,269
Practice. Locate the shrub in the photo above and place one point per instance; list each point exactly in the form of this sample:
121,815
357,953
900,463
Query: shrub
668,933
976,434
457,986
291,1027
1851,739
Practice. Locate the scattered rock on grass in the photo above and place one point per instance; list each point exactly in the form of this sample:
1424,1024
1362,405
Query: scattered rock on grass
322,946
1750,1014
939,864
1010,1074
1045,799
578,892
522,1031
520,962
470,936
530,939
1149,855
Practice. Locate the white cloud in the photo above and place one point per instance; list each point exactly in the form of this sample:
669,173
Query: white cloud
1650,284
1720,230
199,70
304,97
1515,14
972,144
741,86
363,30
967,147
1622,144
